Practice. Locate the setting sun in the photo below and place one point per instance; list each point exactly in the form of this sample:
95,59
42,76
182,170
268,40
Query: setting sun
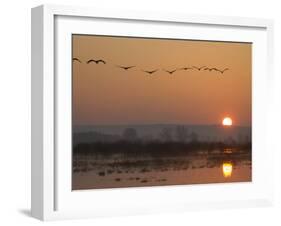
227,121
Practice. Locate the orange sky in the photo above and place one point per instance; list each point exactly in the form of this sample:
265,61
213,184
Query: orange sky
106,94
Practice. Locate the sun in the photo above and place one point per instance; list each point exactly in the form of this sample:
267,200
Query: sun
227,121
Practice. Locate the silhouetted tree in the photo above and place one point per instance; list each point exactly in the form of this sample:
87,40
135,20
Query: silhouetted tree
166,134
181,133
148,137
130,134
193,137
229,140
247,139
240,138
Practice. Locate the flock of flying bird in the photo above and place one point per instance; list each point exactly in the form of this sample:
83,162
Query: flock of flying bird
150,72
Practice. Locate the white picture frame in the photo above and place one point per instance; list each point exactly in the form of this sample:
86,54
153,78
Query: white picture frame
52,197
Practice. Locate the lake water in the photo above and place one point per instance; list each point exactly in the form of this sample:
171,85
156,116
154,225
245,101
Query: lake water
89,173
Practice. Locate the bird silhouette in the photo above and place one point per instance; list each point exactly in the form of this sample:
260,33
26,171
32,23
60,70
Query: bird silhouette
96,61
150,72
198,68
125,68
216,69
170,72
76,59
210,69
222,71
186,68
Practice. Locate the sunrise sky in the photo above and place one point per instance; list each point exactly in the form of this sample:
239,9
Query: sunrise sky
104,94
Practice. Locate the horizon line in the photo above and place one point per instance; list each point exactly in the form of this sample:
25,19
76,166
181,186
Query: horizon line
157,124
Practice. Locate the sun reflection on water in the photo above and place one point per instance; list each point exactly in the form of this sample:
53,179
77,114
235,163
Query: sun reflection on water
227,169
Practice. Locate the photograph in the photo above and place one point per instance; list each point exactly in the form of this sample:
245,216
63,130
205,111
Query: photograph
152,111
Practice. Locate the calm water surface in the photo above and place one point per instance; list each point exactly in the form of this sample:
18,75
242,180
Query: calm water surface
89,173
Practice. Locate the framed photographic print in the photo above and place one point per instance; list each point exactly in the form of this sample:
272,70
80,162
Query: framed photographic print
142,116
135,112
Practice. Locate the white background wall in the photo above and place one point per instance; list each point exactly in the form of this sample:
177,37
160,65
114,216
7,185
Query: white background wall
15,112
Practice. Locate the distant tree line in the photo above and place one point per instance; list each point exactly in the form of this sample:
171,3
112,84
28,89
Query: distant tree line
179,134
155,149
168,134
